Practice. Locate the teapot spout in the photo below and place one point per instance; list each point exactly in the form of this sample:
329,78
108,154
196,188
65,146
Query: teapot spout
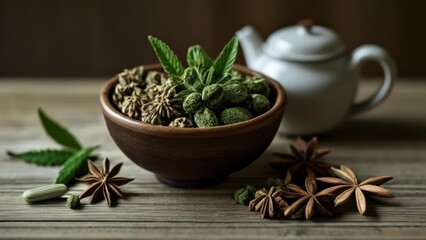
251,43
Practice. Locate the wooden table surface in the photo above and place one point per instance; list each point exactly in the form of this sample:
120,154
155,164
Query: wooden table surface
390,140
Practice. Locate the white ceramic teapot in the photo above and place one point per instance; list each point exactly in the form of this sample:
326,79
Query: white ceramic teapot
319,77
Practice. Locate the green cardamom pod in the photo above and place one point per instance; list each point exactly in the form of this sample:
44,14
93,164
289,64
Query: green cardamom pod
44,193
257,104
73,201
245,195
235,115
212,95
205,118
235,92
257,85
192,102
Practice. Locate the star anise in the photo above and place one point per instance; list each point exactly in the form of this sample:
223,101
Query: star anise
346,180
104,184
269,203
304,159
310,199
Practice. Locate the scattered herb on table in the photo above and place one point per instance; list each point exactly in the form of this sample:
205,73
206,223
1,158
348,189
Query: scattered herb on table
72,156
298,194
75,162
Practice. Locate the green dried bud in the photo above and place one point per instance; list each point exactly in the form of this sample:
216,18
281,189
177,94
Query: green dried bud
257,85
205,118
212,95
73,201
257,104
192,102
235,92
235,75
235,115
244,195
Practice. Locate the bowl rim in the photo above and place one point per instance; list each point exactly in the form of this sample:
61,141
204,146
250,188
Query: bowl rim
259,121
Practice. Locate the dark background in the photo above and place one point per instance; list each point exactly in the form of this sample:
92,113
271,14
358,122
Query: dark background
100,38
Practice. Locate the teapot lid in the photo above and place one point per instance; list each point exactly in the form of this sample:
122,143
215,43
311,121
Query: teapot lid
304,42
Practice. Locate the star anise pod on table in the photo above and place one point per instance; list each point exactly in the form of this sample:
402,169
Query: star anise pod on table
310,200
104,183
346,180
303,159
270,203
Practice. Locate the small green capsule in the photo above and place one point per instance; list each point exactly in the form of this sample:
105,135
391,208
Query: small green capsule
244,195
192,102
235,92
235,115
44,193
257,85
212,95
257,104
205,118
73,201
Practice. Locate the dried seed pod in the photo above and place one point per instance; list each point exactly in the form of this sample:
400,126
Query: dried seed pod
132,106
163,108
235,115
121,91
155,77
205,117
181,122
132,77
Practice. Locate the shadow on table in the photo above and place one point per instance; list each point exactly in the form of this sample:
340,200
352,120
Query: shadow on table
376,129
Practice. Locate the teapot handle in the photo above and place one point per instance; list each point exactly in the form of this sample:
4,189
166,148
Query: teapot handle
374,53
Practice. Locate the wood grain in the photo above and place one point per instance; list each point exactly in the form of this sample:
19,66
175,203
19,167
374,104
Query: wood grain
391,140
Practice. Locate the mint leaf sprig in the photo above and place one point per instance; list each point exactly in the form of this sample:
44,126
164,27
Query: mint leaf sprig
202,71
72,156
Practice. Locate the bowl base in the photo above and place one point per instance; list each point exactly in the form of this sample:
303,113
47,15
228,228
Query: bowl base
193,183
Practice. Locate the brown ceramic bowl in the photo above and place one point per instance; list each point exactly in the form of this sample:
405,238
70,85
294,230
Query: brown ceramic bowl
193,157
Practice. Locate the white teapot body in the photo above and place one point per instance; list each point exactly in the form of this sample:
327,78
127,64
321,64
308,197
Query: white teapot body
321,92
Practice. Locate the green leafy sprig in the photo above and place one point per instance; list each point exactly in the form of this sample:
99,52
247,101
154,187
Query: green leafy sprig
168,59
73,156
47,157
202,70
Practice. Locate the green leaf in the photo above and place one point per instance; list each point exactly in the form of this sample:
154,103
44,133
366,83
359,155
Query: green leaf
196,56
168,59
48,157
57,132
223,63
75,166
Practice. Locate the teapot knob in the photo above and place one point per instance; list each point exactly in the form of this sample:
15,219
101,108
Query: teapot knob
306,24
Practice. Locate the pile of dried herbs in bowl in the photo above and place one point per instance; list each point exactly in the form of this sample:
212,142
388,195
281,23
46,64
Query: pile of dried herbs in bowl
207,93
